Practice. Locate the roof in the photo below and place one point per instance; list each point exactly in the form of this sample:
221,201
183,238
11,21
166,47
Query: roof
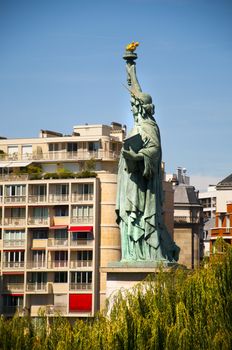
185,194
226,182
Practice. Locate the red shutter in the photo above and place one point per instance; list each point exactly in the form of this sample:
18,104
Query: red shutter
80,302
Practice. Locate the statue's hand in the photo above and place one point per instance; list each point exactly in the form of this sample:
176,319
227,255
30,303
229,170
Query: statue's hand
131,155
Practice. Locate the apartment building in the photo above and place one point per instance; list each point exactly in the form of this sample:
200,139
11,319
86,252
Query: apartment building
188,219
57,220
223,219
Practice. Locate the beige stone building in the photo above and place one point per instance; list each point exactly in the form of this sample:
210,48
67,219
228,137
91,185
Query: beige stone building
57,220
188,220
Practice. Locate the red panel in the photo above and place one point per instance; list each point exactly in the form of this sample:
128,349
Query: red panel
15,295
80,302
81,228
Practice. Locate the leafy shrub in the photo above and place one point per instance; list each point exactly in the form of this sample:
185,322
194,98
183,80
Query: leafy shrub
176,309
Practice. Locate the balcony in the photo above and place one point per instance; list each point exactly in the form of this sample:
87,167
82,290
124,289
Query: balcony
38,221
14,221
13,243
37,265
39,243
58,264
60,220
82,220
35,199
14,199
186,219
79,242
80,286
14,177
53,242
37,287
13,265
11,310
80,263
75,197
13,287
58,198
50,310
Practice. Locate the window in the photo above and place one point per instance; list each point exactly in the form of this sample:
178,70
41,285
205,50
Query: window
12,152
16,190
26,151
82,211
85,255
61,211
14,256
17,212
40,234
38,256
61,234
39,190
53,147
13,235
82,236
40,212
85,191
93,146
38,277
60,277
61,255
81,277
72,147
61,189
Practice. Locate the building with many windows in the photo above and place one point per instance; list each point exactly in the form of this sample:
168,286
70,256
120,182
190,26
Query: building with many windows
53,213
57,220
223,219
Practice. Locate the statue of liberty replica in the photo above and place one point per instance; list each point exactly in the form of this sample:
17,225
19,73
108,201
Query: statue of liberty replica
144,236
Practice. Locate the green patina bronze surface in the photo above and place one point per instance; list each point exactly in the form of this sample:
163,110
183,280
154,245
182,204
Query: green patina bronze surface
144,236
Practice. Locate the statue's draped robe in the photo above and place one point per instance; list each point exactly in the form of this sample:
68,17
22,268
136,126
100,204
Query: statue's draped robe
139,201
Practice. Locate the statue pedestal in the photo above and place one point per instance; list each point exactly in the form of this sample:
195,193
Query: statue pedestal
124,275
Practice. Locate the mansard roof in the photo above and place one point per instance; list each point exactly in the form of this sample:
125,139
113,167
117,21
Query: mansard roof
227,182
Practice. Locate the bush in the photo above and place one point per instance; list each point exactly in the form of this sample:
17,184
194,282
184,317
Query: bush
176,309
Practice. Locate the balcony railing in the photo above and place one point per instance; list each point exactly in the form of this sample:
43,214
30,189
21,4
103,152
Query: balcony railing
14,221
58,198
53,242
36,264
15,199
11,310
13,264
63,155
38,221
82,197
57,264
14,177
13,287
186,219
37,287
80,263
14,243
37,199
77,242
82,220
80,286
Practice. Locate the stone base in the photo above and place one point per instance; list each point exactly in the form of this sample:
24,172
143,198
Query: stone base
124,275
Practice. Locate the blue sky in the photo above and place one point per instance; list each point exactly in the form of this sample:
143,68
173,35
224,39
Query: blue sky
61,65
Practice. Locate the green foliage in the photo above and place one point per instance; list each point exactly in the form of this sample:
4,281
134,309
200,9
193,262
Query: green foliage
176,309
